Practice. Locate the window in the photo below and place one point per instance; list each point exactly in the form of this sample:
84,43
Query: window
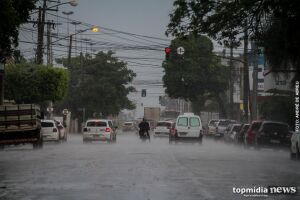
182,121
165,124
110,124
96,124
194,122
212,123
47,124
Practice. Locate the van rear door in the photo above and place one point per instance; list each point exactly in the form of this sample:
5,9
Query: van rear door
182,126
195,126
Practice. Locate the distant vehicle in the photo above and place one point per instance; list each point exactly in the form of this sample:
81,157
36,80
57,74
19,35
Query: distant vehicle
273,133
152,115
62,131
129,126
239,137
50,131
295,145
163,128
20,124
221,126
99,130
188,126
211,127
249,138
231,132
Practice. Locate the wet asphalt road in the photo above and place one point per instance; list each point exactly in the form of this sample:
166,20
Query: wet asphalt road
134,170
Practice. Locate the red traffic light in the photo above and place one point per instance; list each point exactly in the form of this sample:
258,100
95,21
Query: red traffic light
168,50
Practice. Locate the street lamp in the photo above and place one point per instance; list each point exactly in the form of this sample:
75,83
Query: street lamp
94,29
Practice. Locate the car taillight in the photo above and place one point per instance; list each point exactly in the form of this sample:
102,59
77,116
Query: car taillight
107,130
85,129
54,130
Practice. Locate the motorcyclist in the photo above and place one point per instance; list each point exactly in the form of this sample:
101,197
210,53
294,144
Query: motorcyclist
144,128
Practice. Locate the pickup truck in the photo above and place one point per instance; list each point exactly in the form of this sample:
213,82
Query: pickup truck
20,124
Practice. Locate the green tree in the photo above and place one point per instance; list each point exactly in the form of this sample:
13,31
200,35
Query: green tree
12,14
198,74
27,83
273,24
279,108
98,84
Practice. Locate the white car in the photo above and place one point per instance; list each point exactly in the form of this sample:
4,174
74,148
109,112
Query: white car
222,125
162,128
211,127
49,130
188,126
295,145
99,130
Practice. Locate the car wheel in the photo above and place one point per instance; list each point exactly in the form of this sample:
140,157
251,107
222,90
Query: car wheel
297,151
1,147
246,144
257,143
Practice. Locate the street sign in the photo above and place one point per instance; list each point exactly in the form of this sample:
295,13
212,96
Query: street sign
180,50
65,111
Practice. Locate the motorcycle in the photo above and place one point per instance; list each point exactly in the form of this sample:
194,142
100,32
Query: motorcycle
143,134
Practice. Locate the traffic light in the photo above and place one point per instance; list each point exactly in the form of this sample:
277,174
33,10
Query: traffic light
144,93
167,52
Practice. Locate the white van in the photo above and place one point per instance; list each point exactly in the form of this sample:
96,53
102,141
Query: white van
187,126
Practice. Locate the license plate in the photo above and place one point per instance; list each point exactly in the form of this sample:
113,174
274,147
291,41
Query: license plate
275,141
182,133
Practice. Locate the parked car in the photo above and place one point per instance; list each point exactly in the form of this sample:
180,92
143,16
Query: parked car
128,126
231,132
162,128
273,133
239,137
221,126
211,127
61,130
249,138
49,130
295,145
188,126
99,130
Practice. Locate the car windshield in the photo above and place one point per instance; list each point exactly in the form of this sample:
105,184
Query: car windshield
128,123
275,127
165,124
47,124
236,128
212,123
255,126
224,123
96,124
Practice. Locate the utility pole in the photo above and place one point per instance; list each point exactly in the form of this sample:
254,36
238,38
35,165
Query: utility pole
40,41
255,80
49,44
70,51
231,82
246,76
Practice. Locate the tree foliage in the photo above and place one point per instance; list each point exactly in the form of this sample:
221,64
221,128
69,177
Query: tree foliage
279,108
196,74
27,83
273,24
12,14
99,85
